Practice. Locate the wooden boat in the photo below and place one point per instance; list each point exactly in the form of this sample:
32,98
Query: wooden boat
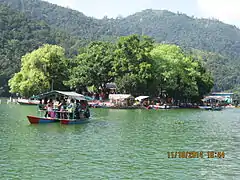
41,120
162,107
27,102
230,107
212,108
57,116
217,108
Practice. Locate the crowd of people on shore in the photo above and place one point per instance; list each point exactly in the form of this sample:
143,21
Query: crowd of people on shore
65,108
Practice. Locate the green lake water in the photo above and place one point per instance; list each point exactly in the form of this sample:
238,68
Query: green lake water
120,144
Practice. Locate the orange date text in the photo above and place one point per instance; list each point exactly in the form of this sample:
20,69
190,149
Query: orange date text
195,154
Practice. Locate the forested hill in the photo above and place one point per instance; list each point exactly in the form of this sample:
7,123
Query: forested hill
162,25
204,34
71,21
19,35
53,24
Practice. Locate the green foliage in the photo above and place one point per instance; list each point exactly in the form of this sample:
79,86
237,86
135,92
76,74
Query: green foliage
19,35
137,67
41,22
180,76
164,26
38,70
225,71
92,66
133,66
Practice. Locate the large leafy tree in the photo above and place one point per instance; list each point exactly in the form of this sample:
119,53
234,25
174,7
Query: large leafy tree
92,67
133,66
180,75
40,69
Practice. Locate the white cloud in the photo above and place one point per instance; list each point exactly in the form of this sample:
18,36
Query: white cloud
225,10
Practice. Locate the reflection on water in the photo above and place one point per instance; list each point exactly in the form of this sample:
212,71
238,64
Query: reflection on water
120,144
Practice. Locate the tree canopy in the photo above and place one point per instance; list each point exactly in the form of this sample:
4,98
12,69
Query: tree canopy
133,63
92,67
180,75
39,70
133,66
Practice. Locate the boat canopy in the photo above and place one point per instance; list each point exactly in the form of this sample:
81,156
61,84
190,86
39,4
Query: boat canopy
140,98
120,96
70,94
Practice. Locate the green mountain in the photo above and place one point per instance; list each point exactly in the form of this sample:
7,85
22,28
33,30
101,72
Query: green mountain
19,35
162,25
218,43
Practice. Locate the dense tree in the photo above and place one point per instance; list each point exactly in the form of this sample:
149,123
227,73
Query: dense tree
180,76
41,22
40,69
133,66
92,67
133,63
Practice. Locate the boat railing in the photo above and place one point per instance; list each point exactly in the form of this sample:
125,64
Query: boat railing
65,114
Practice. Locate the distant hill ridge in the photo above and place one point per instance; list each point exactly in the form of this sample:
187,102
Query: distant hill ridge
162,25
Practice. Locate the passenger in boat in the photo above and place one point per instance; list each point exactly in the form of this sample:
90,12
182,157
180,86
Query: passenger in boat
50,108
71,107
45,101
77,110
41,105
83,105
63,109
87,111
57,106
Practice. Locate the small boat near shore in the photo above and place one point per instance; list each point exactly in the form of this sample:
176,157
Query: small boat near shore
211,108
27,102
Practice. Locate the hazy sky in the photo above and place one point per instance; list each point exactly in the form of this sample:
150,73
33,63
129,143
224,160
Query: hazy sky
227,11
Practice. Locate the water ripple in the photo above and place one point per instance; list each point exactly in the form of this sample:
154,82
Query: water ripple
120,144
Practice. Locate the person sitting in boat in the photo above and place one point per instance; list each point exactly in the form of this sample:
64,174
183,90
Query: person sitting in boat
63,109
57,106
50,112
77,110
45,101
85,109
41,106
71,107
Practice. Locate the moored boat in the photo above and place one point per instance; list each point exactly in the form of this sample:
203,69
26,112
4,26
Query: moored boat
41,120
212,108
27,102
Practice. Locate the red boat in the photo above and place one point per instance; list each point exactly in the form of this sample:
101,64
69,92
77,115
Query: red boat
56,115
40,120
